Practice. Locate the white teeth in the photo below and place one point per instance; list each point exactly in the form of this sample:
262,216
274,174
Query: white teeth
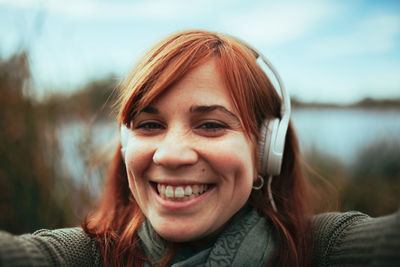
181,193
188,190
162,191
169,192
195,189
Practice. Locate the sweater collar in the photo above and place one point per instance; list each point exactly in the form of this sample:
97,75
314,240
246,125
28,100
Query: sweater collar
247,239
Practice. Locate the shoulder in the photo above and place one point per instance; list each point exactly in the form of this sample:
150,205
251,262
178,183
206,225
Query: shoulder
356,239
61,247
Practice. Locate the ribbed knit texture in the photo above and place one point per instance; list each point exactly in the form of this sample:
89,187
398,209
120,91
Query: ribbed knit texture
355,239
63,247
341,239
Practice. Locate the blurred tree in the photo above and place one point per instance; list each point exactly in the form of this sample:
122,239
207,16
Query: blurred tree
28,153
93,101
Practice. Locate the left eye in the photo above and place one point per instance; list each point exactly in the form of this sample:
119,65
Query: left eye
212,126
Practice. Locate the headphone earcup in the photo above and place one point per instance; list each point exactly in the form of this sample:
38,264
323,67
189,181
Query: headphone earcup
270,155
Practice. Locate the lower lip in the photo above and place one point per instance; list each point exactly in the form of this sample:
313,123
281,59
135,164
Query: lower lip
178,205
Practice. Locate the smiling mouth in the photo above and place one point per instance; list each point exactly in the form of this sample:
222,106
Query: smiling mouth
181,192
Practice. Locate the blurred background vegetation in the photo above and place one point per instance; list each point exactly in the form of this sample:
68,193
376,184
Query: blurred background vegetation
37,191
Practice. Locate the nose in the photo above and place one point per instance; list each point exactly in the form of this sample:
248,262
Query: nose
175,151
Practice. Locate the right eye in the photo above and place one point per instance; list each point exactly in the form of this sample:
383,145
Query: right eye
150,126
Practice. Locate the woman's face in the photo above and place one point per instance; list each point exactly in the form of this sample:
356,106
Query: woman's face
190,164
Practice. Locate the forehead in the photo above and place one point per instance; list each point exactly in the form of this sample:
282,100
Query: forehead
202,85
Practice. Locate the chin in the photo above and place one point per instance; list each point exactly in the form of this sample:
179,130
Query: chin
179,234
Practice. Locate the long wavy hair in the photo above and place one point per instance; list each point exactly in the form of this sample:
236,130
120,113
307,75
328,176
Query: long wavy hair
115,222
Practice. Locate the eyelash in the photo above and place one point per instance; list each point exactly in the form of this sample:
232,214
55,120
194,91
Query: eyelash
150,126
208,126
215,126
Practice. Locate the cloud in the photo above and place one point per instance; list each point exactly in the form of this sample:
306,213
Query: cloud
156,10
373,34
349,84
276,23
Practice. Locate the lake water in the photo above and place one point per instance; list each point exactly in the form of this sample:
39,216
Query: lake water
344,132
339,132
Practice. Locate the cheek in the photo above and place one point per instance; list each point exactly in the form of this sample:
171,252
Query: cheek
139,156
233,159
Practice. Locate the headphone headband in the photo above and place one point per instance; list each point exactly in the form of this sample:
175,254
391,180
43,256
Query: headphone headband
273,132
285,107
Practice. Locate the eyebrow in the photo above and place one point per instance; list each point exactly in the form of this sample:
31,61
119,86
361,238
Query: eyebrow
197,109
208,109
150,110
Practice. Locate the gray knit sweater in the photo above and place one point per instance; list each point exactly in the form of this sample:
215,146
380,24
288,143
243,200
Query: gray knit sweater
341,239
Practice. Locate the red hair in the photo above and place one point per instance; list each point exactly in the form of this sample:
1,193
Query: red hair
115,222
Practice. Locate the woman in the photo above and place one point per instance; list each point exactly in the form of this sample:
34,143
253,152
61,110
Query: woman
200,122
194,107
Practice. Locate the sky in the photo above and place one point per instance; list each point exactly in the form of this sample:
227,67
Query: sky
327,51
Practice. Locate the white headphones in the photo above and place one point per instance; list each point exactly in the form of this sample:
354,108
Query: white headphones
272,132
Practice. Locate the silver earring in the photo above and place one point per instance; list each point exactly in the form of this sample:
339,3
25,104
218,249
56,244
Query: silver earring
271,198
261,183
